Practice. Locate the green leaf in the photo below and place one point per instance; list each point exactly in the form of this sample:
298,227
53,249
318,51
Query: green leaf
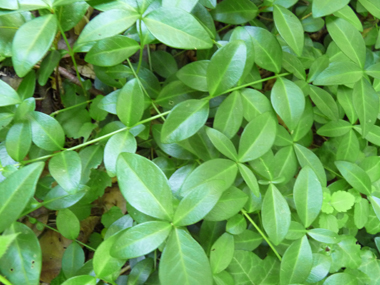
307,158
141,239
236,224
81,280
322,8
222,143
16,191
344,97
66,169
112,51
257,138
348,148
340,278
296,263
72,260
366,104
372,6
184,120
22,262
275,215
31,42
321,267
183,261
164,64
268,52
5,242
324,236
222,252
347,38
232,12
68,224
375,202
342,201
118,143
350,16
335,128
373,70
339,73
140,272
229,116
198,203
361,213
130,103
288,101
226,67
254,103
19,140
106,24
289,27
194,75
47,133
104,264
229,204
249,178
317,67
325,103
144,186
308,196
27,86
177,28
292,64
355,175
244,267
174,93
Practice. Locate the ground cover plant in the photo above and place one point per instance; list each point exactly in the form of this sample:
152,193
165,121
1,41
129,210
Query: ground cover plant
189,142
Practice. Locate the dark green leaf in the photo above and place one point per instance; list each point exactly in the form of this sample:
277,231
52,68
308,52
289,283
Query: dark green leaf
16,191
289,27
184,120
112,51
194,75
288,101
183,261
31,42
168,26
140,240
144,186
296,263
257,138
226,67
275,215
232,12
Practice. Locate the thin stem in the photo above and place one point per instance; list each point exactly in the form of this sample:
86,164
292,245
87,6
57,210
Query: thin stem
307,16
69,108
261,233
4,280
53,229
142,87
141,50
222,29
91,141
71,52
217,44
255,82
149,58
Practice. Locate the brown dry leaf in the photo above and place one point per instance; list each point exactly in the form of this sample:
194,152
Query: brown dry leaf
53,245
113,197
87,71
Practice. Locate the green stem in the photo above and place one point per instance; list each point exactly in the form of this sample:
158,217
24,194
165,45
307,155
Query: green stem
69,108
142,87
261,233
217,44
255,82
149,59
222,29
4,280
53,229
71,52
91,141
141,50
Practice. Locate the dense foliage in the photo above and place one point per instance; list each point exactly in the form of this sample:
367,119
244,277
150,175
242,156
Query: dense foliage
241,134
